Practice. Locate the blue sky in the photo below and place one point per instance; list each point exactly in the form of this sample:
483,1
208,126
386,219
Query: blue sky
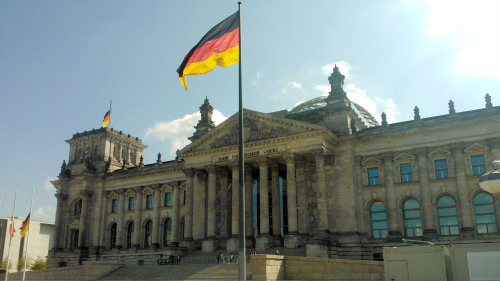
62,61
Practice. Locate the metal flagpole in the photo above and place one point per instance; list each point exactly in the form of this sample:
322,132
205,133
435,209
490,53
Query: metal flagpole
109,126
10,239
28,235
242,263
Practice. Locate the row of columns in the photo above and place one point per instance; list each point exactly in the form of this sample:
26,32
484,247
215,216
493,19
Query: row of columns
194,229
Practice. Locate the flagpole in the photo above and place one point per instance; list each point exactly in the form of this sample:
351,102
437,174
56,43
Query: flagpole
242,248
109,126
10,239
28,235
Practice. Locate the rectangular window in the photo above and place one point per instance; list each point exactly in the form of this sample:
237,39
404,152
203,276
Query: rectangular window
131,203
184,198
114,205
406,173
373,176
478,167
441,169
149,201
168,199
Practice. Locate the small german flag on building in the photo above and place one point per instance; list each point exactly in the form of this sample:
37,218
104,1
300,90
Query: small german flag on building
105,121
219,47
25,226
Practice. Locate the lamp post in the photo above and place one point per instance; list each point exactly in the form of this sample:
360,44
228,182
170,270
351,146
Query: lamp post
491,180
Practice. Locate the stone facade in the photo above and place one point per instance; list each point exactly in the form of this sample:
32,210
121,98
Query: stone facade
324,176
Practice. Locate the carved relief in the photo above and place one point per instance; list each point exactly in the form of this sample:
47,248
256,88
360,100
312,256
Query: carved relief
254,131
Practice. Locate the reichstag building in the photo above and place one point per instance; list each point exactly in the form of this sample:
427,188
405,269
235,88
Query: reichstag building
324,179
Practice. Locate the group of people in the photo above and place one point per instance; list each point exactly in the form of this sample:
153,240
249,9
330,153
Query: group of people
220,258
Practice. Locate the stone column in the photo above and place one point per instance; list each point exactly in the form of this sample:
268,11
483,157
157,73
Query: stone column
199,205
58,221
319,157
264,240
103,220
426,195
248,205
291,239
138,218
121,219
300,178
392,206
209,245
275,187
155,242
188,219
232,243
83,219
467,230
224,224
175,214
317,246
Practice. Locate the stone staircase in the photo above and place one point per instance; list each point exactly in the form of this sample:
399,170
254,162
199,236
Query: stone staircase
177,272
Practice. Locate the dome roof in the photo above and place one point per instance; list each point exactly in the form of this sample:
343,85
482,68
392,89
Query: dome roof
320,102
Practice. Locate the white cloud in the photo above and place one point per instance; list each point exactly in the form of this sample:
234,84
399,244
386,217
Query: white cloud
343,66
178,130
47,185
325,89
256,80
46,213
470,27
294,84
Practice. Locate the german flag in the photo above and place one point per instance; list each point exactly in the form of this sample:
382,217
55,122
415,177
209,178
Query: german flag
25,226
219,47
105,121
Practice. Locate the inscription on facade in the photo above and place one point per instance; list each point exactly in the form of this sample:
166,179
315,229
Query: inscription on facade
249,154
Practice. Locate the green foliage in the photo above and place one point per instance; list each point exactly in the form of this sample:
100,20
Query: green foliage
20,263
39,264
3,265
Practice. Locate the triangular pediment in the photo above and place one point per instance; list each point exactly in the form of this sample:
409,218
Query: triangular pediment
257,127
404,156
130,192
147,190
166,188
476,147
371,161
113,195
439,152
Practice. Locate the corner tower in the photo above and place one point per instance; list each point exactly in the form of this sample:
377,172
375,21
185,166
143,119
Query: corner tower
102,150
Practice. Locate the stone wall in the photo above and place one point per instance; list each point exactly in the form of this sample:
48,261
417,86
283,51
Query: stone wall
272,267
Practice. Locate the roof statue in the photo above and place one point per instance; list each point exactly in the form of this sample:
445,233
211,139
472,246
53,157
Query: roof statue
336,80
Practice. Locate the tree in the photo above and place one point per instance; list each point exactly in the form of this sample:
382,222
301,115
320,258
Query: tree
39,264
3,264
20,263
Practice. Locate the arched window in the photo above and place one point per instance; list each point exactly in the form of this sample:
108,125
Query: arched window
167,232
147,234
378,218
130,234
112,236
485,213
447,213
77,208
412,218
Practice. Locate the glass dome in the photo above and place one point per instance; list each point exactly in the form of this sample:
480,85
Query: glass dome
320,102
